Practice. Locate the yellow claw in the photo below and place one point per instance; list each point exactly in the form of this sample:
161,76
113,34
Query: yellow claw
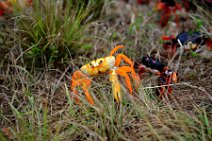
116,87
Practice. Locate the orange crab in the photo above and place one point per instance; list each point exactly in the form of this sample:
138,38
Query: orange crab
168,8
6,6
109,64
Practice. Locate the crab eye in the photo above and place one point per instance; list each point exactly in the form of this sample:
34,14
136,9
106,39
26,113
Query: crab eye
91,64
100,61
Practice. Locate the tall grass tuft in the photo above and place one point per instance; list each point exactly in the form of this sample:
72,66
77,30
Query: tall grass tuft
52,31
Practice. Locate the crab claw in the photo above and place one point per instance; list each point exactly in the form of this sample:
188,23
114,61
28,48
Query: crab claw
116,87
81,80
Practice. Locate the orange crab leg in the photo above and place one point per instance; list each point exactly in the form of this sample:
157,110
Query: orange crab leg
173,78
131,70
161,91
79,79
75,92
120,57
88,96
122,72
115,49
135,77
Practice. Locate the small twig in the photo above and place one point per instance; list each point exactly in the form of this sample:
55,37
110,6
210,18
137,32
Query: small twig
181,52
199,88
151,87
28,50
184,83
4,87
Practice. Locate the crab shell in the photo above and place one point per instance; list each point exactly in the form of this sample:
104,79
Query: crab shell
99,66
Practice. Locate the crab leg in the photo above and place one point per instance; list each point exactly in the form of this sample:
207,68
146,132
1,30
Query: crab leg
79,79
115,49
168,80
122,72
88,96
116,88
171,78
120,57
131,70
127,68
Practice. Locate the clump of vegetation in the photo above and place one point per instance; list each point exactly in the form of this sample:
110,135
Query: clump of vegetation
51,31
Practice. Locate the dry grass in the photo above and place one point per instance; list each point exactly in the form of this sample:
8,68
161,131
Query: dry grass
38,105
